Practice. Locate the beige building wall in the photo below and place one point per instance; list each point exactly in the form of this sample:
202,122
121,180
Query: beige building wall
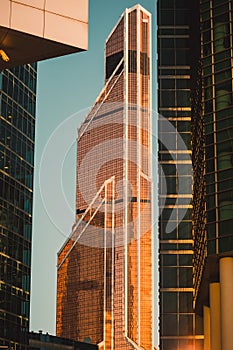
32,30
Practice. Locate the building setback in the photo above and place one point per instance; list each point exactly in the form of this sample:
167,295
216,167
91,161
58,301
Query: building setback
105,268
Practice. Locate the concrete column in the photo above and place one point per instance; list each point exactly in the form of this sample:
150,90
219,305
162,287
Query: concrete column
206,313
215,322
226,287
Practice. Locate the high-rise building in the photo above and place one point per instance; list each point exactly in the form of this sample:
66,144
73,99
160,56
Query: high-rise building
180,328
17,125
210,79
22,41
105,268
213,172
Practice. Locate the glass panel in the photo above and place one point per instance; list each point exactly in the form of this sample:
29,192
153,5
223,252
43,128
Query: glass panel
170,302
170,324
185,324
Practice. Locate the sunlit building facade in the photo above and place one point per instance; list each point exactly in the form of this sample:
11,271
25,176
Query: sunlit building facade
17,125
179,328
213,171
105,268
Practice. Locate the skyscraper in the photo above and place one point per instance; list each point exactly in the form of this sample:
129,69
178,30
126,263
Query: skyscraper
17,125
105,268
212,215
180,328
213,195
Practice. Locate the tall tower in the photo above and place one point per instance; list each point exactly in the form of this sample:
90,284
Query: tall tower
17,125
213,171
180,328
105,268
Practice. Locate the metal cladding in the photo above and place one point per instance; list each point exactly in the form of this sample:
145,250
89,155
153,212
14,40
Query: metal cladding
34,30
105,268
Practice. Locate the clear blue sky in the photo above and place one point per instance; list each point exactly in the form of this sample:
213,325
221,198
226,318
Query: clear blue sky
66,85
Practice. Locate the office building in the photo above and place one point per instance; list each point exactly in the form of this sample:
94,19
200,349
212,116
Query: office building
105,268
212,214
41,341
180,328
23,41
17,124
213,172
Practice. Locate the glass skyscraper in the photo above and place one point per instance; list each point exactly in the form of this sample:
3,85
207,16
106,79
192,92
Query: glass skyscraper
105,268
17,128
213,173
207,29
180,328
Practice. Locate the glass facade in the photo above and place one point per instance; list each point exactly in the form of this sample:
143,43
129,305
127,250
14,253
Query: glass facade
214,234
216,17
180,328
17,128
105,268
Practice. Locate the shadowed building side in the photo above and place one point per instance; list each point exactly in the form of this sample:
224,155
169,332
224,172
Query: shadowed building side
17,125
180,328
213,170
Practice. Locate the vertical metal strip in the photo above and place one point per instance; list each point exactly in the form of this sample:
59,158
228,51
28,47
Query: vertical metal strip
113,257
138,171
231,39
105,260
125,121
150,151
214,125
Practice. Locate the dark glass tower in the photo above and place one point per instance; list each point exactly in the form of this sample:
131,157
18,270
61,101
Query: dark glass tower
213,206
179,327
17,127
